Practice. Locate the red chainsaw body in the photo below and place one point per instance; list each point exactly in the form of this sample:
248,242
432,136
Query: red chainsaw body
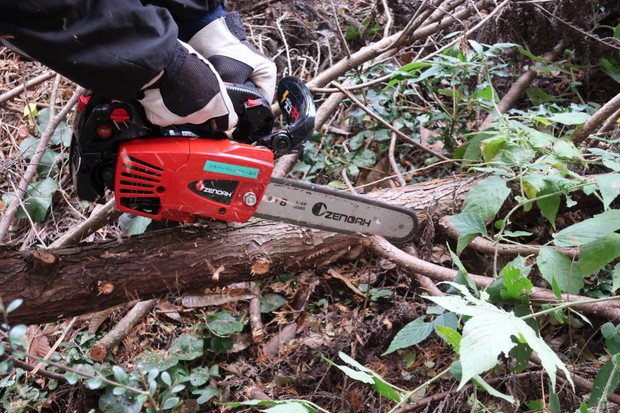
179,178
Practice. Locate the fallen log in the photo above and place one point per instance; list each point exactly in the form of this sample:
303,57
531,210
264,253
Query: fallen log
63,282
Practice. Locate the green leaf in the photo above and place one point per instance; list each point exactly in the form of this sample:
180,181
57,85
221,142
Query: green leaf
165,378
612,337
616,278
609,185
94,383
270,302
611,68
206,394
385,389
40,199
119,403
187,347
452,336
71,377
469,226
138,225
493,392
224,324
155,359
617,32
14,305
567,149
598,227
517,286
570,118
597,254
491,328
486,197
170,403
491,147
557,267
549,207
605,382
287,407
554,401
410,335
120,375
17,335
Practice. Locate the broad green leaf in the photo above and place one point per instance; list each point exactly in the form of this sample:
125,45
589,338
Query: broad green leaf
138,225
611,68
469,226
170,403
356,374
597,254
410,335
612,337
452,336
549,207
271,301
385,389
288,407
617,31
490,148
224,324
39,199
591,229
71,377
570,118
554,401
486,197
351,361
120,375
517,286
605,382
609,185
557,267
567,149
491,328
155,359
187,347
206,394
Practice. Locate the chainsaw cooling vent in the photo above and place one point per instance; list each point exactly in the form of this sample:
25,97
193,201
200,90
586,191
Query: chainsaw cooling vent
138,185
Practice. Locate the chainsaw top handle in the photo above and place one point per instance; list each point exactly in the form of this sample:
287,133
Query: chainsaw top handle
256,117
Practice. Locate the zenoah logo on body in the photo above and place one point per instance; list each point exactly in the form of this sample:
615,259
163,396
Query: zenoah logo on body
320,210
218,190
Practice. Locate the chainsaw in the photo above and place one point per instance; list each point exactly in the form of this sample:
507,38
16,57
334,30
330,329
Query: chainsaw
178,172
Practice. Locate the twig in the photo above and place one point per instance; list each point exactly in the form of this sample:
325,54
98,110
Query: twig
288,53
606,309
31,170
393,162
103,347
388,17
100,217
256,324
55,346
29,367
596,120
483,245
518,87
19,89
387,124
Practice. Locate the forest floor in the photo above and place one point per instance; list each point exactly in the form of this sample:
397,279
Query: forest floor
354,307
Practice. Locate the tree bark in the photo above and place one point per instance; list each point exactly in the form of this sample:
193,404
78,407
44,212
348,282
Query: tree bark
63,282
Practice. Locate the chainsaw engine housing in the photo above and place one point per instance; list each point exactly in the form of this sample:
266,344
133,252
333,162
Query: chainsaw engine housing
178,178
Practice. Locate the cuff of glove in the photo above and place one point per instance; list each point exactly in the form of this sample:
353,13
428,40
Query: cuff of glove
187,29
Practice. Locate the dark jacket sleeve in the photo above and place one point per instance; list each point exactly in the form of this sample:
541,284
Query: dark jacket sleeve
113,47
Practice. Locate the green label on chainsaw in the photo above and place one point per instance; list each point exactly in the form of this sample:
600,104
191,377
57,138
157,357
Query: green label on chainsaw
229,169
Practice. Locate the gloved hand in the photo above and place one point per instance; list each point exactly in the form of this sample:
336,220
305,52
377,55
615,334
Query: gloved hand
223,43
189,90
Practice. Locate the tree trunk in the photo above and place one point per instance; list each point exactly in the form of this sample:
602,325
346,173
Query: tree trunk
59,283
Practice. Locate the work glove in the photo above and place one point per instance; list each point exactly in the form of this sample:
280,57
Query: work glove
223,42
188,91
